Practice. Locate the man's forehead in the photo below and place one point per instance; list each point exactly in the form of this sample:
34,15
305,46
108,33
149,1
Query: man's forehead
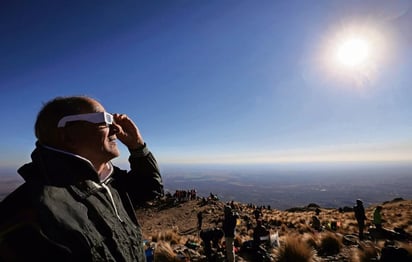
97,107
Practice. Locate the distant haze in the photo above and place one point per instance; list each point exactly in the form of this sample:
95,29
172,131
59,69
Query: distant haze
286,186
282,186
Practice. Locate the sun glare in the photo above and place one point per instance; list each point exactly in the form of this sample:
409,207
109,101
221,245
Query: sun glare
353,52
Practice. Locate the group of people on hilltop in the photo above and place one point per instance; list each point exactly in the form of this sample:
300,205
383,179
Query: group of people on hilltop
185,195
212,236
253,206
360,216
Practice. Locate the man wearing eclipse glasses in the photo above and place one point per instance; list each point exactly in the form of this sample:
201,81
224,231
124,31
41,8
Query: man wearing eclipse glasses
75,205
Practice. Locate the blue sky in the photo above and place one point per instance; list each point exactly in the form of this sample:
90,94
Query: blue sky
217,81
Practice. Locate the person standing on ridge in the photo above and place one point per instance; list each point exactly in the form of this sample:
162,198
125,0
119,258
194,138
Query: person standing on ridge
360,217
75,205
257,213
199,220
377,218
229,228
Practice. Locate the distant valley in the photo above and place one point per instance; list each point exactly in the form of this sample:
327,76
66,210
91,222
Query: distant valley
285,187
282,187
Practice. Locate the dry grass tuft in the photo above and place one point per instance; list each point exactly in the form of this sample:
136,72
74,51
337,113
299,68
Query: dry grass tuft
330,244
168,236
407,247
311,240
238,241
294,249
365,253
164,253
304,228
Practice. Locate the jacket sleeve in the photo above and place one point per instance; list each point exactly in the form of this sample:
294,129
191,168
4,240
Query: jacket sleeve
143,182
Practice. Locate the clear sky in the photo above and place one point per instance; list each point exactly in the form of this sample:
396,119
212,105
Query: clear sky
218,81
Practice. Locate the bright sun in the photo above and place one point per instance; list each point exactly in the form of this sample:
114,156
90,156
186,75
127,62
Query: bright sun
353,52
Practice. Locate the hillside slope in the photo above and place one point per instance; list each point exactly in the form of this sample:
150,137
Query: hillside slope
176,224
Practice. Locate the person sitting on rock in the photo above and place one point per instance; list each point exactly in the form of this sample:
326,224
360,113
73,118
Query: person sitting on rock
259,233
211,238
316,223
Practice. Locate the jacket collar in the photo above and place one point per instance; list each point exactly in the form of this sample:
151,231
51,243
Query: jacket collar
55,167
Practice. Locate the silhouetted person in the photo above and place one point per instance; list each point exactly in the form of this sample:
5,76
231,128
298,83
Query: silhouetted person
377,218
229,228
199,220
257,213
360,217
258,232
210,237
75,205
316,223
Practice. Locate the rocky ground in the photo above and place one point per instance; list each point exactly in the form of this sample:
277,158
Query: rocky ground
171,226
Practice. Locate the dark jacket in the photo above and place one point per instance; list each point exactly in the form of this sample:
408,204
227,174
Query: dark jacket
229,223
258,232
359,211
64,213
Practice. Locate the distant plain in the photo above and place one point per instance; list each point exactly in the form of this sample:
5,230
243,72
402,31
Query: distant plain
286,186
281,186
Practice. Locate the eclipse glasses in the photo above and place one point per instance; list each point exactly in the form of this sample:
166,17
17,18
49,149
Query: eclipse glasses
99,117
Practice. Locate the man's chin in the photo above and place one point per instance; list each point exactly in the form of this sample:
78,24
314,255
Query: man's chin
113,152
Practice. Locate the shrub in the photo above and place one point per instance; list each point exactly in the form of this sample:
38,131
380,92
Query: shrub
294,249
168,236
365,253
310,240
330,244
303,228
164,253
